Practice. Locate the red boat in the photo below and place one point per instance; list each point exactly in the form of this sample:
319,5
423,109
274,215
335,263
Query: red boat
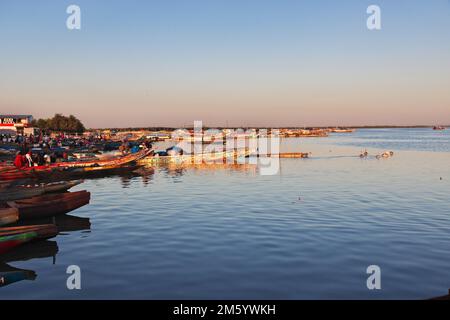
12,173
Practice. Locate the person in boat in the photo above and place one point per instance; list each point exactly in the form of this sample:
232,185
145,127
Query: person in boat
40,159
148,144
18,161
47,159
29,159
125,147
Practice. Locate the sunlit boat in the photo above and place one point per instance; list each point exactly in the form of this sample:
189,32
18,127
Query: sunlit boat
208,157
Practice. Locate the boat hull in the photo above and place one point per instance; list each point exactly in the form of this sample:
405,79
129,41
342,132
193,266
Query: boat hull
50,205
8,216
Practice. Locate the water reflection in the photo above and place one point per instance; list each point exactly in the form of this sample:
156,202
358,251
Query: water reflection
177,170
36,250
9,275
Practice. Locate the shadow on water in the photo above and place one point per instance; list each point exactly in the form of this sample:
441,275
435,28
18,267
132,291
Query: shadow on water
36,250
9,275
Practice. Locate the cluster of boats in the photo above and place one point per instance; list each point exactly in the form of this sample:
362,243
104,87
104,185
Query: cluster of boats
72,168
28,216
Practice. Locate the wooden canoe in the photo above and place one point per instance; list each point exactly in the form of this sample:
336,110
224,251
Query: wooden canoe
28,191
12,173
110,163
50,205
42,231
15,236
64,222
8,216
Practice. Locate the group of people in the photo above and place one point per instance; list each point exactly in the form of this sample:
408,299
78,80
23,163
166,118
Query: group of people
127,147
17,139
30,159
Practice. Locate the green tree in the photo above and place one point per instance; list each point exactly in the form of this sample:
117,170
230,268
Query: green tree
60,123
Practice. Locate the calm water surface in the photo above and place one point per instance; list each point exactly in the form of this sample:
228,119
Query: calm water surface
309,231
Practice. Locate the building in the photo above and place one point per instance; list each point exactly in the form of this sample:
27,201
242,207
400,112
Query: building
16,124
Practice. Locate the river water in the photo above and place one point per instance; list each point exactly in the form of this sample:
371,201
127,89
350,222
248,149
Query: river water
227,232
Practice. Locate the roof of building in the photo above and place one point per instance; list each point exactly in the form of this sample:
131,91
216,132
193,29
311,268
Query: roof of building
16,116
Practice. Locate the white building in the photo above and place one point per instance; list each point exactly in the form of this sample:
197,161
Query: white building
16,124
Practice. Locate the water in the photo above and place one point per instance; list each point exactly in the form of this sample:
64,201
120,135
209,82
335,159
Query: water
308,232
418,139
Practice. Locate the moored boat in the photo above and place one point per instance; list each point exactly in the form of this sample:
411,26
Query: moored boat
207,157
9,193
65,169
8,216
50,205
15,236
342,130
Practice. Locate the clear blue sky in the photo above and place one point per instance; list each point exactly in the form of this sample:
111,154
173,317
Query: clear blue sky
241,62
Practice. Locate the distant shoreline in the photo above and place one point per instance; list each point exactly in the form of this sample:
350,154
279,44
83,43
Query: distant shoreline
274,127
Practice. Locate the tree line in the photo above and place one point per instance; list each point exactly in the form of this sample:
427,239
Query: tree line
60,123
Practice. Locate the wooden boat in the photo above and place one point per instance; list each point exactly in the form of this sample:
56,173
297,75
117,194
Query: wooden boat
64,222
212,157
438,128
284,155
50,205
16,236
342,130
8,216
31,190
294,155
12,173
115,162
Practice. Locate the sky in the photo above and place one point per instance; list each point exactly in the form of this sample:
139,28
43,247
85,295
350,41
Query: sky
227,62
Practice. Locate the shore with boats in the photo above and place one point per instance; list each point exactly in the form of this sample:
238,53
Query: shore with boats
35,200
